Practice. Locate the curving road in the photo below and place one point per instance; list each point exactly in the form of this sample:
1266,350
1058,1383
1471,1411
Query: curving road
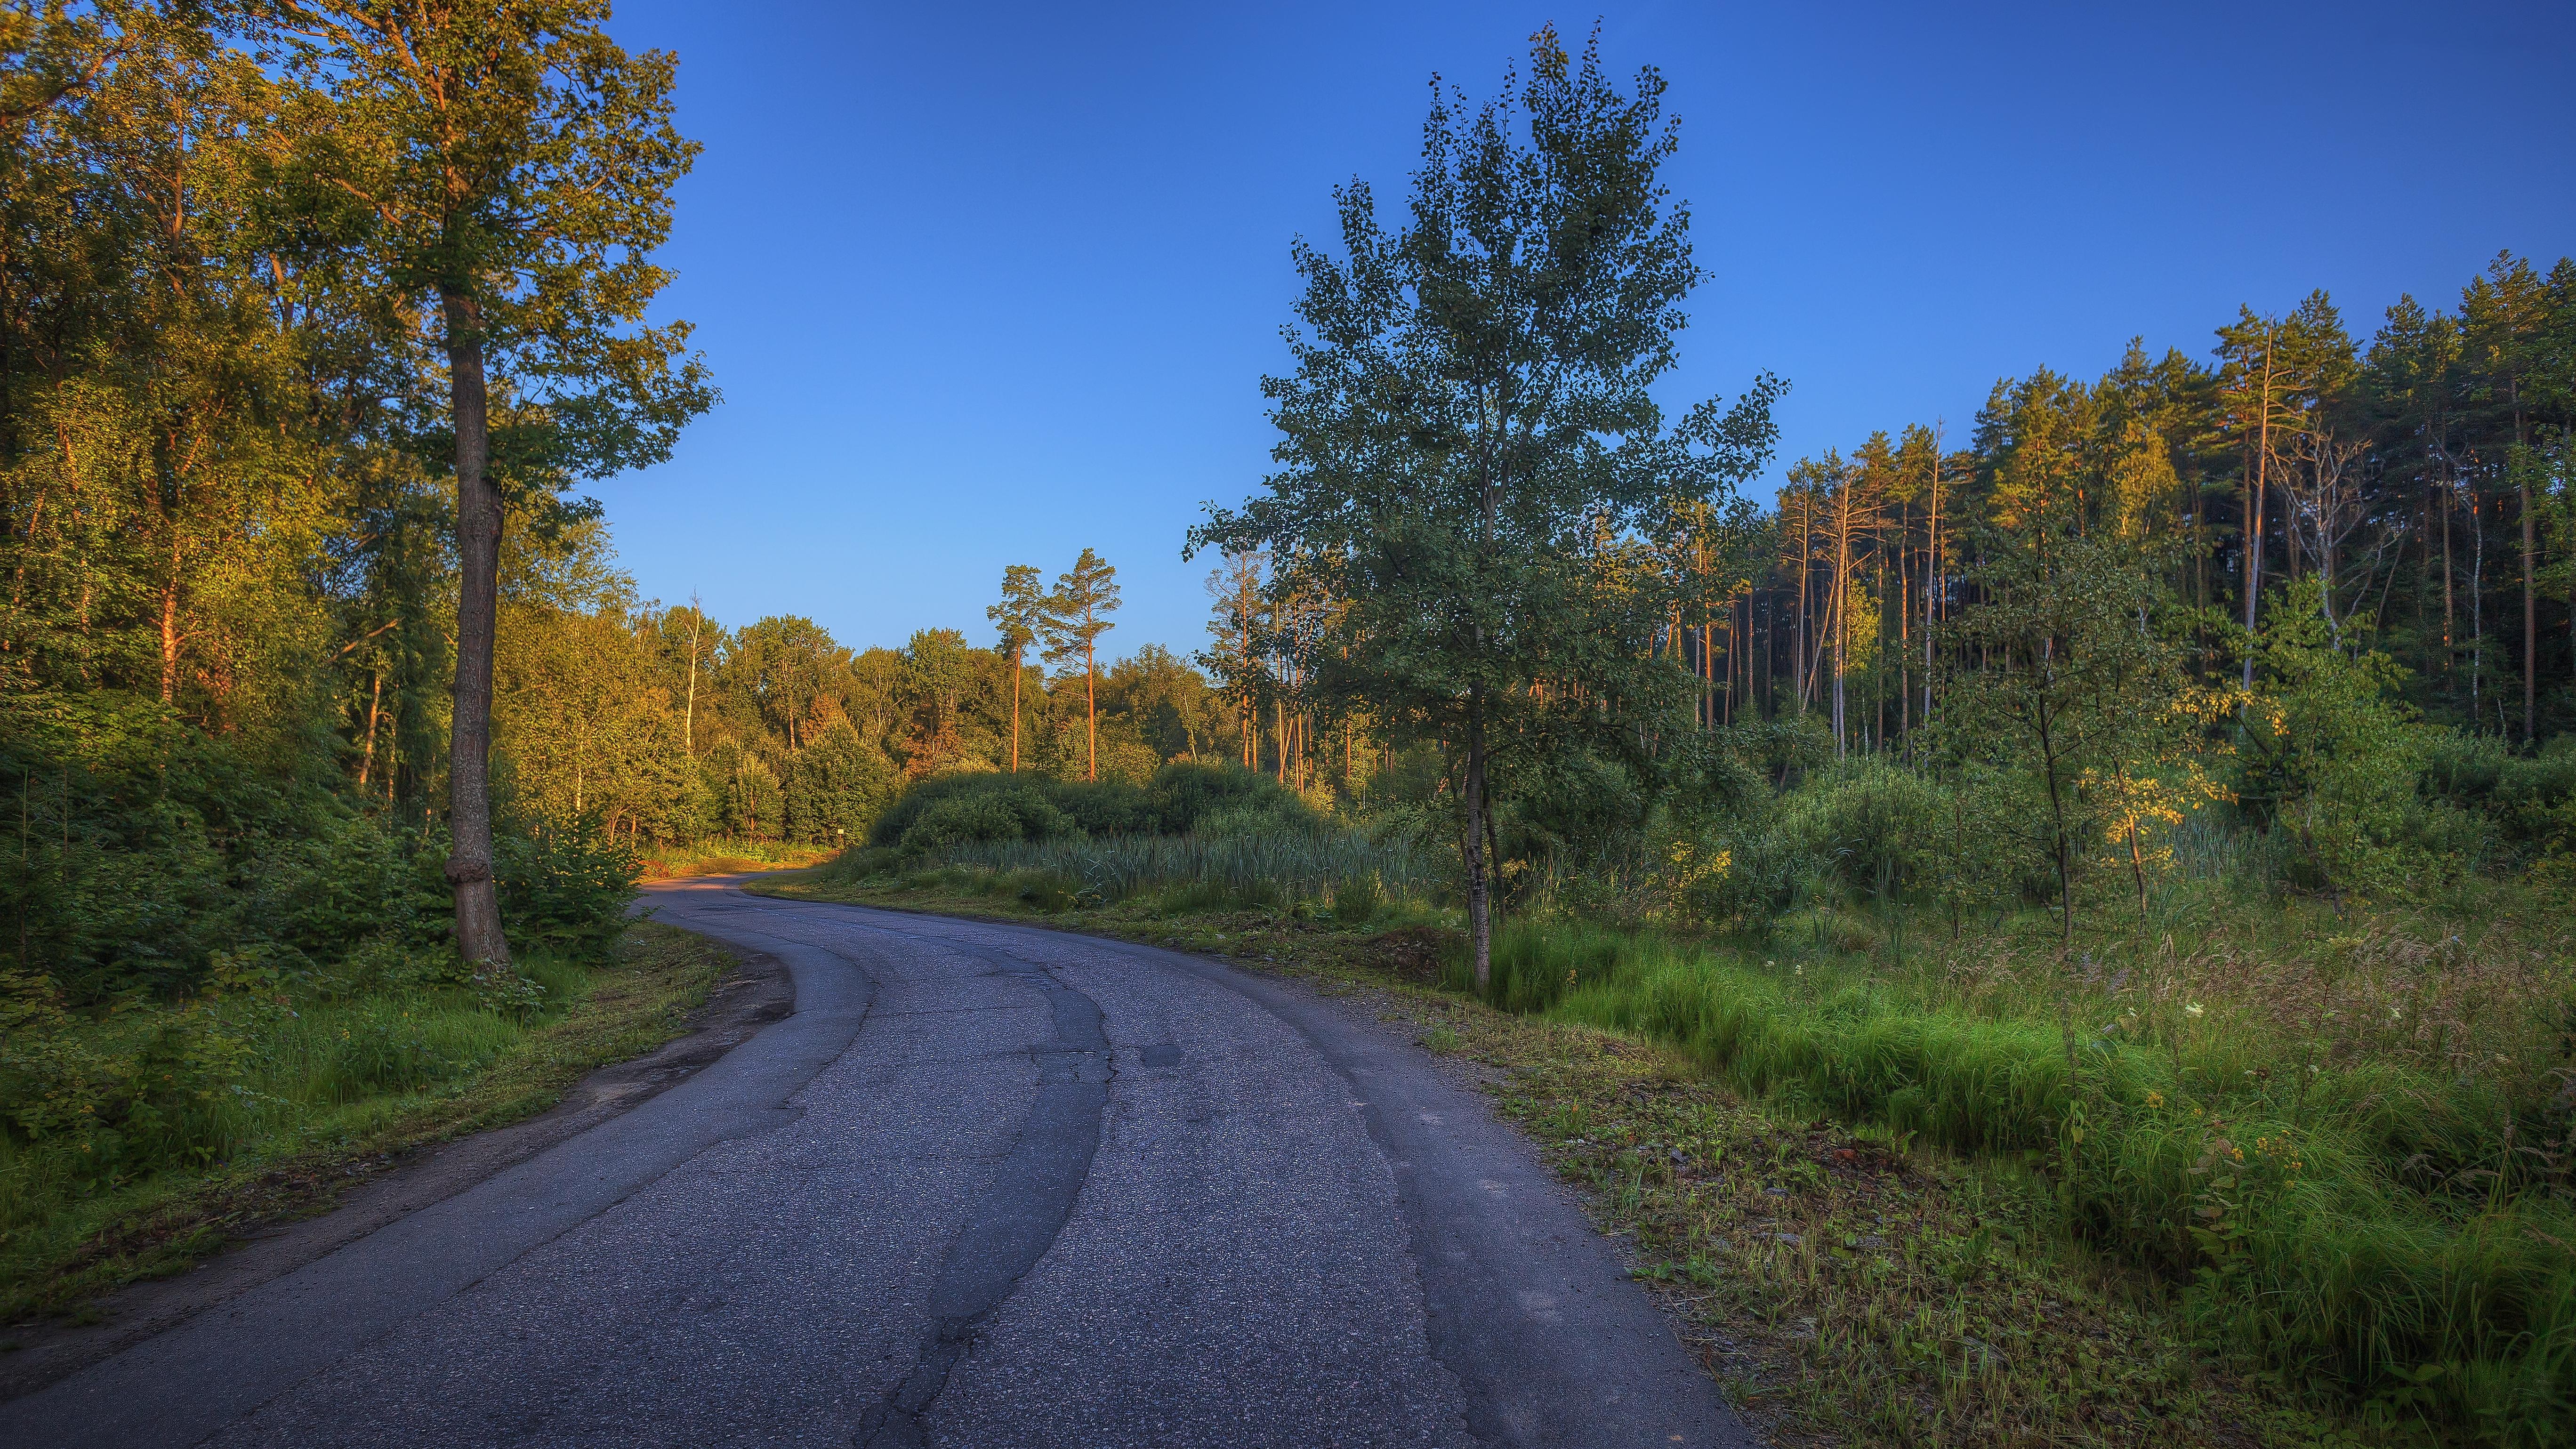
987,1186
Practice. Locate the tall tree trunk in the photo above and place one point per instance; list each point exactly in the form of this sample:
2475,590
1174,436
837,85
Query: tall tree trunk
2257,485
1480,920
1090,716
170,632
689,716
2530,619
2450,626
1017,669
478,554
1932,590
1806,568
375,709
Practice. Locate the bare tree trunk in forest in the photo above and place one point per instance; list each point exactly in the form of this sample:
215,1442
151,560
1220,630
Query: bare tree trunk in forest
1090,716
170,631
689,717
375,708
2449,611
2530,618
1480,923
478,554
1018,668
2477,601
1806,566
1904,627
2256,485
1932,591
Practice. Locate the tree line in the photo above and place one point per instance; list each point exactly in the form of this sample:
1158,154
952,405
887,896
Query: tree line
665,725
2266,579
2420,479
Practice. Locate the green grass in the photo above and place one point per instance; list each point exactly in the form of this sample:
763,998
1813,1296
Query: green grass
314,1087
728,857
2334,1187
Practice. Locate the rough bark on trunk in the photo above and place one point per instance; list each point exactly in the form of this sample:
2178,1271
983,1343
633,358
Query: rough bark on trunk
478,553
375,711
1480,920
170,633
2530,623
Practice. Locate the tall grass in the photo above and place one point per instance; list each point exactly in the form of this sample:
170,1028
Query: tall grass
2354,1154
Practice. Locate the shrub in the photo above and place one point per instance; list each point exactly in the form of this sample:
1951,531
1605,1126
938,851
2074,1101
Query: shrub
1180,798
984,815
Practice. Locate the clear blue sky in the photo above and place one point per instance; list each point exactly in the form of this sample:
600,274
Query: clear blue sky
985,284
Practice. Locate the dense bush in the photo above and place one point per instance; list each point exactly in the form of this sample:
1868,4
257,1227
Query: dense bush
2529,801
1178,799
1020,813
834,788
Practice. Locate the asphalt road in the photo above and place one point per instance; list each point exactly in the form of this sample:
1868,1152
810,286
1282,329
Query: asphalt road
987,1186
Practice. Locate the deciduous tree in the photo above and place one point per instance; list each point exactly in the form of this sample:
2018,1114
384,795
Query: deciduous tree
515,166
1469,446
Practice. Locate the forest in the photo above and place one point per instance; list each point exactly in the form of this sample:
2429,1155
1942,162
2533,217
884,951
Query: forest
2232,692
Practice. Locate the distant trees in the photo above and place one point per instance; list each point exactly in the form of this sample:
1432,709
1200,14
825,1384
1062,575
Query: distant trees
1238,631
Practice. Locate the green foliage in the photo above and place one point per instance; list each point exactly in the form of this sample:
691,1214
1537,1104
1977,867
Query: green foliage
1321,868
1179,798
969,817
2340,1202
2333,759
566,888
834,788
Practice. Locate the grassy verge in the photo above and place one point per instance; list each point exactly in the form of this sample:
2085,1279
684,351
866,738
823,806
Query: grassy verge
340,1089
728,857
1847,1285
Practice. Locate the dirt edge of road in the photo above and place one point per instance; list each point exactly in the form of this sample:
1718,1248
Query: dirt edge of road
755,993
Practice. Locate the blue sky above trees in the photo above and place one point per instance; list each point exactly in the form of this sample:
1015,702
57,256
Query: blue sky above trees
989,284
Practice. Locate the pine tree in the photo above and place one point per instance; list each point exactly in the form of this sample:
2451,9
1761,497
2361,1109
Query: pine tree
1075,618
1017,619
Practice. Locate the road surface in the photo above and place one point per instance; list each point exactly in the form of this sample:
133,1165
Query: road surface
988,1185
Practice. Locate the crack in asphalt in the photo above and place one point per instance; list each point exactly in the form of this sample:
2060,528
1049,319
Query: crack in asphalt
1019,1216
